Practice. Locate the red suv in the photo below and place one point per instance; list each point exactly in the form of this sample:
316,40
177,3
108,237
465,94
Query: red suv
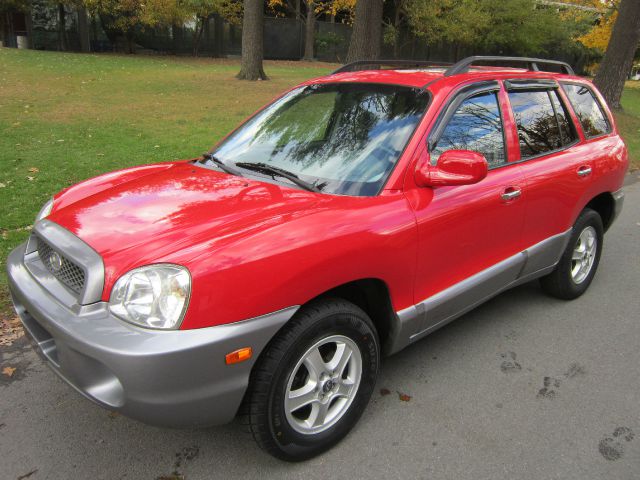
347,219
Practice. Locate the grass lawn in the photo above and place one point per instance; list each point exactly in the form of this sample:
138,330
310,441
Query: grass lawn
629,121
68,117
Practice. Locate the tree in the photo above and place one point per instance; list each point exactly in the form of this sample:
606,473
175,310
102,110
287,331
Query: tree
618,59
367,31
252,41
313,9
518,27
175,13
460,22
598,36
119,18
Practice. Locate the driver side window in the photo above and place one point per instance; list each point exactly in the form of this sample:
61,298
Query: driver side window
476,125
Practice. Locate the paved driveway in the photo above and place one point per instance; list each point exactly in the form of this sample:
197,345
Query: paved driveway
524,387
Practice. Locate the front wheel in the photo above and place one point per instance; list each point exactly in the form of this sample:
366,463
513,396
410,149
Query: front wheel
313,381
579,262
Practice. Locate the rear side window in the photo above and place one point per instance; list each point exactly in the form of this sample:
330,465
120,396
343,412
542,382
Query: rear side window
542,122
476,125
567,130
594,121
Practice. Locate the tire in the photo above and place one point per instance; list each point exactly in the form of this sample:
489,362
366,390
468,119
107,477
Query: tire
568,280
290,364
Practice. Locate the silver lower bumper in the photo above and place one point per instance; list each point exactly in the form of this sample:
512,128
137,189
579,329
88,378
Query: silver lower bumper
618,202
165,378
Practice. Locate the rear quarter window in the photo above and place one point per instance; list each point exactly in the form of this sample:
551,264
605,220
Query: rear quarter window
537,123
589,111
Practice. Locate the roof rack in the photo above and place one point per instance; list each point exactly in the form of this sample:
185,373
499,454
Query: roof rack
464,65
378,64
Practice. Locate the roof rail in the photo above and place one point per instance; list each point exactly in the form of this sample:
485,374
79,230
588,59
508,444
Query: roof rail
531,63
378,64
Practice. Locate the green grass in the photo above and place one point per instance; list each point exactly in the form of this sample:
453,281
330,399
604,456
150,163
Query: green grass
68,117
629,121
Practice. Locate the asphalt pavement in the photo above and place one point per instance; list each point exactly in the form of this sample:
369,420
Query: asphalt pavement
523,387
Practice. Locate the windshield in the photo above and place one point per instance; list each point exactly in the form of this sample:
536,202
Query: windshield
341,138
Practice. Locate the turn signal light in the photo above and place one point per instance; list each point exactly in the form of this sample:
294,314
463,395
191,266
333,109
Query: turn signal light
239,355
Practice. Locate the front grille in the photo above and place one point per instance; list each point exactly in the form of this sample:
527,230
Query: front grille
61,267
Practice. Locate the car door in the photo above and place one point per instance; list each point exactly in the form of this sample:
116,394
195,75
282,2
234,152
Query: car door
557,168
469,235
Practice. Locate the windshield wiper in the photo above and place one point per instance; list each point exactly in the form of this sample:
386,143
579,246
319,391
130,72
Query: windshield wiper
223,166
270,169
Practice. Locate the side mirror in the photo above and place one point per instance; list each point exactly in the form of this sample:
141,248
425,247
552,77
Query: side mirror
454,167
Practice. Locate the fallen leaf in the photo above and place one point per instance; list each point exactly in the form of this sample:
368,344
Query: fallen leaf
404,397
27,475
8,371
384,391
10,331
34,170
30,179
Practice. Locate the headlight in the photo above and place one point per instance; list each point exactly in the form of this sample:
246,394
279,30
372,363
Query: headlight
155,296
45,210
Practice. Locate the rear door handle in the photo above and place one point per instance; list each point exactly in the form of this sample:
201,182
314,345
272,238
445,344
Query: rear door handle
584,171
511,193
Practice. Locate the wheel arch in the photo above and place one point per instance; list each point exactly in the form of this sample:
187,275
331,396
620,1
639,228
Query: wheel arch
373,296
604,205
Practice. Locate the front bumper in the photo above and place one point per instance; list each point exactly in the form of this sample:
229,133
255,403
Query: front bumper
167,378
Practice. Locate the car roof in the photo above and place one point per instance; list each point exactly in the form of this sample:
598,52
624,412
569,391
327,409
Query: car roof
434,77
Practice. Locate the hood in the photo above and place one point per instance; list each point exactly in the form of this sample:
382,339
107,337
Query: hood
173,209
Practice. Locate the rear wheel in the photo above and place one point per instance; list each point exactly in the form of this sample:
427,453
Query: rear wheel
579,262
313,381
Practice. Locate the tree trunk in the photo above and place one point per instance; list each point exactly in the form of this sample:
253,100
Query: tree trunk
28,19
130,40
62,28
197,36
3,29
218,36
252,41
367,29
618,59
309,31
83,30
396,25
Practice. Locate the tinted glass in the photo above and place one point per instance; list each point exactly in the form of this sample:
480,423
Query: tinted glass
536,120
567,131
476,125
588,109
344,138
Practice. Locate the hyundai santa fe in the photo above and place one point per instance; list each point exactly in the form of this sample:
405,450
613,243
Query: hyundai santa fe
347,219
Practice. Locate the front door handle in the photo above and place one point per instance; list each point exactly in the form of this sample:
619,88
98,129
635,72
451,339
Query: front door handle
584,171
511,193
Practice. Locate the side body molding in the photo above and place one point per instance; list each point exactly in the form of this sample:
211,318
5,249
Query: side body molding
436,311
